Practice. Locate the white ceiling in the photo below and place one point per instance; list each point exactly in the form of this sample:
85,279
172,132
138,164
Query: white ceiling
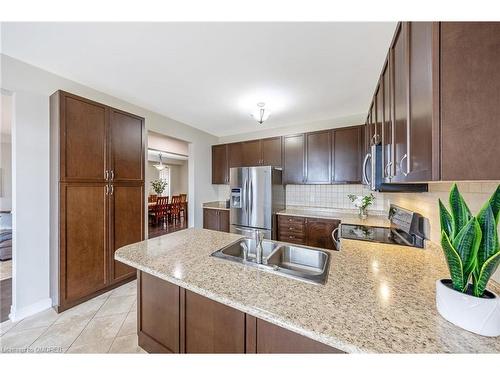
211,75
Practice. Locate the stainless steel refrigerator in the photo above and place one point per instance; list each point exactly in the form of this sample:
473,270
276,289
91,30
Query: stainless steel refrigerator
257,193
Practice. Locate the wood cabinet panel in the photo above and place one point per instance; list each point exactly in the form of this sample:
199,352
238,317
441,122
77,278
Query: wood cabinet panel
272,339
400,96
158,315
378,109
293,164
347,155
470,97
220,168
127,142
421,101
210,219
251,153
83,240
83,128
216,219
387,134
127,224
212,327
272,151
235,155
319,233
224,221
318,157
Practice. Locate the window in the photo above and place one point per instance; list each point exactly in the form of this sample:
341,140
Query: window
165,176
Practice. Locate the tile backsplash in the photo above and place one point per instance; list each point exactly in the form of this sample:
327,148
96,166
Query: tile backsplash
330,196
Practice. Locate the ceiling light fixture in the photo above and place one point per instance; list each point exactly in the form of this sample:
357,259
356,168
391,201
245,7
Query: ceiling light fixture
261,114
160,166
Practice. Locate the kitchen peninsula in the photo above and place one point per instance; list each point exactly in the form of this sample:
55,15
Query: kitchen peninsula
378,299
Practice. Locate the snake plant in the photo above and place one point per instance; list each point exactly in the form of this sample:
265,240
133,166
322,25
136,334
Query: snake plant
470,243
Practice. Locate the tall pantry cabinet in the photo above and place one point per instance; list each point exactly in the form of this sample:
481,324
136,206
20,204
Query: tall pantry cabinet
97,196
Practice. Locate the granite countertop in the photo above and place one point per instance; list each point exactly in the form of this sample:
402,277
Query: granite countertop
346,217
378,298
217,205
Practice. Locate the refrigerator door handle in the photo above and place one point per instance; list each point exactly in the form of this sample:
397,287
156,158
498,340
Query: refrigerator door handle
251,198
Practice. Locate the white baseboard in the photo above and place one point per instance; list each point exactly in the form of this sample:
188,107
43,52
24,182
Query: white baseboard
18,314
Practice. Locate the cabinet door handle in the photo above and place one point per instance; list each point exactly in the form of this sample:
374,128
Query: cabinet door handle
388,169
404,172
106,175
112,190
106,189
112,175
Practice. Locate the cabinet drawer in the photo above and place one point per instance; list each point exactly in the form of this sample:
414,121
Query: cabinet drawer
292,227
298,232
287,220
298,238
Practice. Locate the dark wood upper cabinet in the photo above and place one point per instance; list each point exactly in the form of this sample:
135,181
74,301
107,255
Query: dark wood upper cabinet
470,97
420,121
293,163
387,134
83,241
347,154
83,129
127,142
126,224
318,157
251,153
212,327
235,155
216,219
272,151
400,73
220,168
378,109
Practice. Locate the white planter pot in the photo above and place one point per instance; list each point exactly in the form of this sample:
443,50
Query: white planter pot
478,315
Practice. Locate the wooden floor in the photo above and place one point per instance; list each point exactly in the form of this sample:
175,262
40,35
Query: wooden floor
5,299
155,230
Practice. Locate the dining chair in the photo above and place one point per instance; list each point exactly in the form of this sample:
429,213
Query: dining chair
183,205
161,208
175,207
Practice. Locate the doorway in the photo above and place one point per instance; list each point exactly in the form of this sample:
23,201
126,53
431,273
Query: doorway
166,184
6,103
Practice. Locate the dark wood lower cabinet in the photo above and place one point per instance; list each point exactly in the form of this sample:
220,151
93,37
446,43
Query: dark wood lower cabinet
215,219
172,319
307,231
273,339
212,327
158,314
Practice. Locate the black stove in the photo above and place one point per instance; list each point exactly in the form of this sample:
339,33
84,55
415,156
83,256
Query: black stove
407,229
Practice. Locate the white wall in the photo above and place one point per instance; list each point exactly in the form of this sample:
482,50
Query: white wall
178,176
32,87
261,131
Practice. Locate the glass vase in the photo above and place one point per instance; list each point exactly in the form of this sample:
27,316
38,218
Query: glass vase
363,213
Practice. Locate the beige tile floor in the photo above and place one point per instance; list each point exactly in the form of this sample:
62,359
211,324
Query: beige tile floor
105,324
5,269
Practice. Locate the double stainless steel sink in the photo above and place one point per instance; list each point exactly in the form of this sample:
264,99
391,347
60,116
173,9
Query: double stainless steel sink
303,263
